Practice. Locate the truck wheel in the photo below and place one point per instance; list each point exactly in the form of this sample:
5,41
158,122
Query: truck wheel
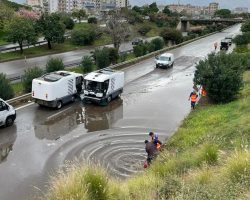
9,121
172,65
109,99
59,105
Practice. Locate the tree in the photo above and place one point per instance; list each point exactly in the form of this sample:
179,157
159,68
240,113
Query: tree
92,20
102,58
172,35
118,29
153,8
158,43
83,36
223,13
246,26
6,14
21,30
144,29
79,14
221,75
29,75
6,91
137,9
52,28
54,64
68,22
113,55
86,64
167,11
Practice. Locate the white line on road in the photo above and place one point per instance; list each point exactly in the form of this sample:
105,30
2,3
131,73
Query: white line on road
52,116
25,106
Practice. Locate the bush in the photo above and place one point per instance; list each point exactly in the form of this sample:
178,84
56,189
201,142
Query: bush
83,36
221,75
29,75
102,58
87,65
68,22
144,30
158,43
246,26
242,39
113,55
92,20
140,50
54,64
172,35
6,91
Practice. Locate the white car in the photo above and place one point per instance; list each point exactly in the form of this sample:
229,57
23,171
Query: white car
7,114
164,60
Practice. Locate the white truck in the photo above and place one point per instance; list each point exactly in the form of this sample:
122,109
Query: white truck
102,86
7,114
56,88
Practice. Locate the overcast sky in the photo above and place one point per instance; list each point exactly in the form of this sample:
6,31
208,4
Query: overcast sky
231,4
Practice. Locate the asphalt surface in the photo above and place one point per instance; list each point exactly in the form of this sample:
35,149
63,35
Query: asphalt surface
17,67
42,140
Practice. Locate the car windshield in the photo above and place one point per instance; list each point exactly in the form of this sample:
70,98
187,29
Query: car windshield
164,58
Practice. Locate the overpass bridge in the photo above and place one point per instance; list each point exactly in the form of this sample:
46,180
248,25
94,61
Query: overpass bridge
184,24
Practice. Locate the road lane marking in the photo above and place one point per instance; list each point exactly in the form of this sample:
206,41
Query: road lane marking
59,113
19,108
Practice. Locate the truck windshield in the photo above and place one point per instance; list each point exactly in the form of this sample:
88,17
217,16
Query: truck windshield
97,86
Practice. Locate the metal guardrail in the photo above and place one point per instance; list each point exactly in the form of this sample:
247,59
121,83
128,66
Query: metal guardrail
20,98
127,63
17,47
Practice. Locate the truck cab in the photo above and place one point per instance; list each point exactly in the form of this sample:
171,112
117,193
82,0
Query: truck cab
164,60
224,44
7,114
102,86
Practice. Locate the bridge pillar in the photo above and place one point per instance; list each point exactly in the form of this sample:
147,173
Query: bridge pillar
184,26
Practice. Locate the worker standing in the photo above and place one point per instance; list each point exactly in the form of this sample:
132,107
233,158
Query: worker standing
155,139
193,96
151,152
203,91
215,45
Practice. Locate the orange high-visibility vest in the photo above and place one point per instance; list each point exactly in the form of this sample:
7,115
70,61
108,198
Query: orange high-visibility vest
158,146
203,92
193,97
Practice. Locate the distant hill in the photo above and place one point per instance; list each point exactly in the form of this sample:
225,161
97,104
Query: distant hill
13,5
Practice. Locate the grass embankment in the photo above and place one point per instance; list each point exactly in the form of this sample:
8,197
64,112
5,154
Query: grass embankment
207,158
242,49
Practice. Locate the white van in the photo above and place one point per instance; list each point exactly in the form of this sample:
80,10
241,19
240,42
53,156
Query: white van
7,114
56,88
164,60
102,86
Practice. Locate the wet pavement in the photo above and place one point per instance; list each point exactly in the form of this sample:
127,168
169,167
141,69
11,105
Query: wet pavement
43,140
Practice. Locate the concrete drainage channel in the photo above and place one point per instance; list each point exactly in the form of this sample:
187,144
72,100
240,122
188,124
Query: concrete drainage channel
24,99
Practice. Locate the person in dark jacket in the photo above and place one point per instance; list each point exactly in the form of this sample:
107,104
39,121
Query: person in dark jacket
151,150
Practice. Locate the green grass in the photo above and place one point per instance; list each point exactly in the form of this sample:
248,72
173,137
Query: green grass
207,158
18,89
242,49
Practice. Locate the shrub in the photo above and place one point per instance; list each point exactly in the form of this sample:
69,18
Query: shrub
144,30
92,20
68,22
29,75
208,154
83,36
54,64
102,58
242,39
172,35
113,55
87,65
6,91
140,50
246,26
221,75
158,43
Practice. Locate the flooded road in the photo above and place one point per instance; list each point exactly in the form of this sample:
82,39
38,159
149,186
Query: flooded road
43,140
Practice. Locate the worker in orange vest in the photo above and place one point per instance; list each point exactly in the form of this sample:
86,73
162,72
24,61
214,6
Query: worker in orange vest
193,96
155,140
203,91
